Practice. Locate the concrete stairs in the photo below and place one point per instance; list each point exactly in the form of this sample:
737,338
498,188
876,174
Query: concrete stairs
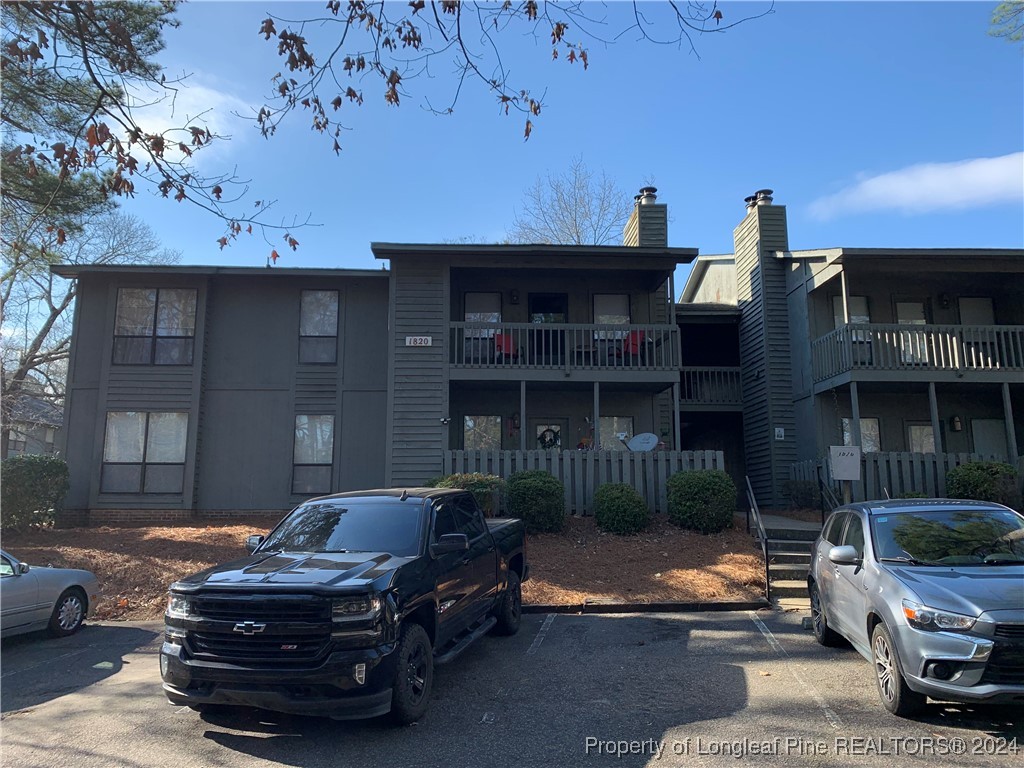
789,556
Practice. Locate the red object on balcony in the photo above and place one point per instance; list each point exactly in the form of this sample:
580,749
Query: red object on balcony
505,347
633,344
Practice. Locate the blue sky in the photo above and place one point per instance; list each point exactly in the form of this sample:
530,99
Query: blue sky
877,124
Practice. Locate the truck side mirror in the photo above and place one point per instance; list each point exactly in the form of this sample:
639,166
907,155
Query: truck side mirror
450,542
252,542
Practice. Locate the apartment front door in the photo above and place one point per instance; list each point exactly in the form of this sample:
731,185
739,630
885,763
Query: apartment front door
989,437
549,435
547,345
913,344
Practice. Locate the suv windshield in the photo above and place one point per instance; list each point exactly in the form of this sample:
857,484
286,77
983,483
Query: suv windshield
351,525
950,537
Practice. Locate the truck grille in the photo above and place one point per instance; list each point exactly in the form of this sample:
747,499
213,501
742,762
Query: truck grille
1005,665
240,648
264,608
292,629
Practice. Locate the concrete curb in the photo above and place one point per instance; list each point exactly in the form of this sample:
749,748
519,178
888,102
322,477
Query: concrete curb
662,607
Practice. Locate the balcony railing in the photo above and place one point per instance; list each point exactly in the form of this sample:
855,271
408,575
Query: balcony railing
918,348
711,386
565,346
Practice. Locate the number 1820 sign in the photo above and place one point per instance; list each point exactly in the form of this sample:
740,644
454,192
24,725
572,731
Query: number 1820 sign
419,341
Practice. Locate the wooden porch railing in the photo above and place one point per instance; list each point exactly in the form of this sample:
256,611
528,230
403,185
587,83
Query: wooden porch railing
711,386
918,348
582,472
565,346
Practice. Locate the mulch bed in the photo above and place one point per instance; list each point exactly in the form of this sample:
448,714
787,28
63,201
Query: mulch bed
136,564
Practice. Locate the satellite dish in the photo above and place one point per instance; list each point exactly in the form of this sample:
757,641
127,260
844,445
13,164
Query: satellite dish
645,441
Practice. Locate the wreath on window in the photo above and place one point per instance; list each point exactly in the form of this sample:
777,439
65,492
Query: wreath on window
548,439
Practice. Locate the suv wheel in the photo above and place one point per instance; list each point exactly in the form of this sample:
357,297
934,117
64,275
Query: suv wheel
896,696
824,634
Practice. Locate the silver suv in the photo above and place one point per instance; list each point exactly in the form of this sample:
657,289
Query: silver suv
931,591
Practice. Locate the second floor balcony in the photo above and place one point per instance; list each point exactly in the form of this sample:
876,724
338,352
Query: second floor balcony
568,347
932,349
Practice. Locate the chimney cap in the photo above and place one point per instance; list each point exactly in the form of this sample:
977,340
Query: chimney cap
751,201
764,196
647,195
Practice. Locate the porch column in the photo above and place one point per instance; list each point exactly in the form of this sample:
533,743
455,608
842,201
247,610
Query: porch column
933,407
522,415
597,415
677,440
855,415
846,296
853,488
1011,432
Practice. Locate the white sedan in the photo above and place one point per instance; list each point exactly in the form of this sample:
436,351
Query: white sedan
31,598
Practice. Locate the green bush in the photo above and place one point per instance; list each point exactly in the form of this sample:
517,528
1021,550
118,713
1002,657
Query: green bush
539,499
702,500
619,508
33,490
532,474
984,481
913,495
482,487
802,494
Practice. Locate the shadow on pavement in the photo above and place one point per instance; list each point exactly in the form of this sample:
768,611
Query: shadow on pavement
38,668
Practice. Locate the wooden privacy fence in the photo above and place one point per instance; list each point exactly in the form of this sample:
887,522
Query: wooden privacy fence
582,472
896,473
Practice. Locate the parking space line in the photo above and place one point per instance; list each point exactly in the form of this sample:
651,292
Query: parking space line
541,633
830,715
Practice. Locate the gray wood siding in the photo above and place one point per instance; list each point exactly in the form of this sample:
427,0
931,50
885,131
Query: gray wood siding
418,394
764,351
647,226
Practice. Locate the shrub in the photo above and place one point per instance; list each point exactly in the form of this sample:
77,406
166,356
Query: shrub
619,508
702,500
913,495
539,499
532,474
983,481
33,490
482,487
802,494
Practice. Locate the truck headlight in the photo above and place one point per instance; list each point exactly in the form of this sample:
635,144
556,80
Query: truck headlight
360,608
933,620
178,606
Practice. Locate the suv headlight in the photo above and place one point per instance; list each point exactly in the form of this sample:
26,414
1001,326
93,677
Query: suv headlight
933,620
360,608
178,606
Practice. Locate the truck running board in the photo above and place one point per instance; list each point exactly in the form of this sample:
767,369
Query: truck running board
466,640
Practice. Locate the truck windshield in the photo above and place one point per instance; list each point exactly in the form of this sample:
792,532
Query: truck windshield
350,525
950,537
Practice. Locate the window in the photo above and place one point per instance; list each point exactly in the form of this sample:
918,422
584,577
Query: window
50,439
854,535
482,308
16,441
481,433
857,307
615,431
834,528
318,327
155,326
870,435
6,567
144,452
611,309
313,456
444,520
468,517
920,438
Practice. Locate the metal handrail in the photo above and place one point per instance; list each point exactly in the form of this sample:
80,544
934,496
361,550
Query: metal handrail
762,534
826,495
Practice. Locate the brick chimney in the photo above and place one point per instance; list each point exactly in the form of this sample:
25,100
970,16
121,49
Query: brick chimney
648,223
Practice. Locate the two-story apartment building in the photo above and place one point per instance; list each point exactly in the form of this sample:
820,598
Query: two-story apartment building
892,349
230,389
221,389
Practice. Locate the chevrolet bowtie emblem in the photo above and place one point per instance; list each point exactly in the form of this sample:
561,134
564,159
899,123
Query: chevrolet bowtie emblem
249,627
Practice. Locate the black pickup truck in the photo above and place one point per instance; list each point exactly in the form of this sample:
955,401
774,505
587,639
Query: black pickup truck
345,607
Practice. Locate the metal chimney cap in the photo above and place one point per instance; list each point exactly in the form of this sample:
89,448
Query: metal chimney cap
750,201
647,195
764,196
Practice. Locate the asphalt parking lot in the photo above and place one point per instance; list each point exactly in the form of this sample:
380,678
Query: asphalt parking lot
631,690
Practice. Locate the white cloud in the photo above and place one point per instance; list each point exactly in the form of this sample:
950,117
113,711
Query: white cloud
198,105
931,187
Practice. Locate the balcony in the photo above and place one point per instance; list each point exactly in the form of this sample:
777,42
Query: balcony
711,388
933,349
565,347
